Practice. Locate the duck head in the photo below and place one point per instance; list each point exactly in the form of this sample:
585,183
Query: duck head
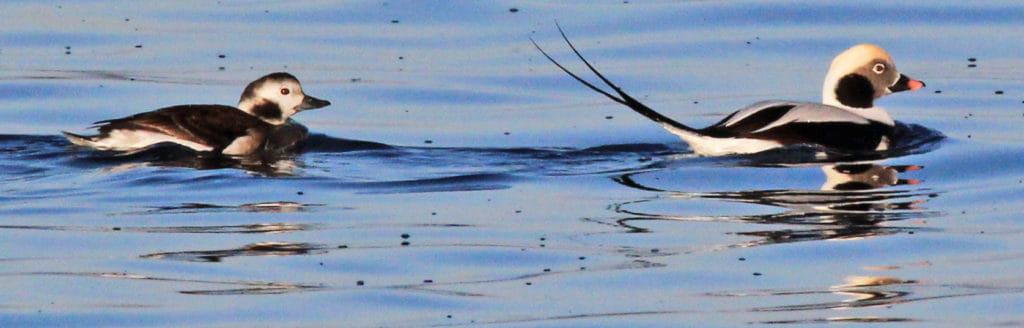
860,75
276,97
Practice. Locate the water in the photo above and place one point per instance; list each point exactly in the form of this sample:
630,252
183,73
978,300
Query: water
529,206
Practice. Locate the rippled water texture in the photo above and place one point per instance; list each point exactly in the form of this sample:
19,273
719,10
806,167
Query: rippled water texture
461,179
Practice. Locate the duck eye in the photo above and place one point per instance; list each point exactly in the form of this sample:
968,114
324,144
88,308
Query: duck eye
879,68
285,91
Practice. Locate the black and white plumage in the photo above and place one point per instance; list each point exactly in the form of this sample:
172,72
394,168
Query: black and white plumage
264,108
845,120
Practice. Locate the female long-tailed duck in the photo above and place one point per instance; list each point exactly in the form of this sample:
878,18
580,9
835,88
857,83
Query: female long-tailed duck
846,120
266,104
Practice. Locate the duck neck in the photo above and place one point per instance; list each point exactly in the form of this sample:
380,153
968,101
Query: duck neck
850,94
263,109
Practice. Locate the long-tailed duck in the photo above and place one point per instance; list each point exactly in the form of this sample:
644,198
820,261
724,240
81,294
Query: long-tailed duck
847,118
265,106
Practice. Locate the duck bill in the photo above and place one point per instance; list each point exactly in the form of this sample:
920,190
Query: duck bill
310,102
906,83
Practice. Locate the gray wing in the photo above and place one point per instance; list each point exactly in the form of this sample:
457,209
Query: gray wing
766,115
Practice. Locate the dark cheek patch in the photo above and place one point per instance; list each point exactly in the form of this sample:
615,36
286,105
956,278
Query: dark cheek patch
855,90
267,110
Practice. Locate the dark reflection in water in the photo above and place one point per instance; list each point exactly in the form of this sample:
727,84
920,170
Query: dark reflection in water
241,228
264,207
852,203
257,249
243,287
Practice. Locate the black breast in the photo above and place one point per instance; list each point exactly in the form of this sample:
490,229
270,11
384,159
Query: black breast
836,135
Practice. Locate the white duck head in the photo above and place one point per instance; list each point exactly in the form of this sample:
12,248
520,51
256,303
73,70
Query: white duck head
276,97
860,75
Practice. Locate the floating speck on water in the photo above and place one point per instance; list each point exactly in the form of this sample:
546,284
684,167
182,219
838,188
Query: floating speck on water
972,65
507,133
67,47
999,92
449,316
428,141
428,281
513,10
433,213
222,56
138,46
757,273
221,68
67,52
519,211
972,59
655,250
938,91
529,283
405,243
355,80
583,258
405,236
742,259
117,229
300,193
695,102
543,238
547,270
609,117
910,232
127,19
401,57
394,21
321,263
360,283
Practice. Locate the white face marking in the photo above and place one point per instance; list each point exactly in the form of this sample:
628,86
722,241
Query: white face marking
286,92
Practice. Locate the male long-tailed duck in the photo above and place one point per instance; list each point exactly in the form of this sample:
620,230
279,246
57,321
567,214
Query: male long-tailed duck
266,104
846,120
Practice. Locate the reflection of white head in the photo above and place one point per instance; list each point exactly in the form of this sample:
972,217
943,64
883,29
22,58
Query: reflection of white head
276,97
858,176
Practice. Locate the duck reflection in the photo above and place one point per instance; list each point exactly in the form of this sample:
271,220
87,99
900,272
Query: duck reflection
853,202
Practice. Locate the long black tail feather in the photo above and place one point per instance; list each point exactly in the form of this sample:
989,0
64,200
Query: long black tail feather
625,99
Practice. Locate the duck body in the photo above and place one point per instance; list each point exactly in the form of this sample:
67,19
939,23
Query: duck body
260,122
845,120
771,124
204,128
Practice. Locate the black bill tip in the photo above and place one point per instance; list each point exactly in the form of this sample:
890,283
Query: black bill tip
310,102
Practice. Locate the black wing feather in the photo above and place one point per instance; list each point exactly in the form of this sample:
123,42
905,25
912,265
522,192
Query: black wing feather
213,125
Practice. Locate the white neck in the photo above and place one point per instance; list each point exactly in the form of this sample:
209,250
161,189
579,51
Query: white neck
247,106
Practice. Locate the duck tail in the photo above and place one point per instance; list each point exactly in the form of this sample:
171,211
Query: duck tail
623,97
79,140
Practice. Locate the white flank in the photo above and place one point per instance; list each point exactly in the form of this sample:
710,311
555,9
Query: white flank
125,140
